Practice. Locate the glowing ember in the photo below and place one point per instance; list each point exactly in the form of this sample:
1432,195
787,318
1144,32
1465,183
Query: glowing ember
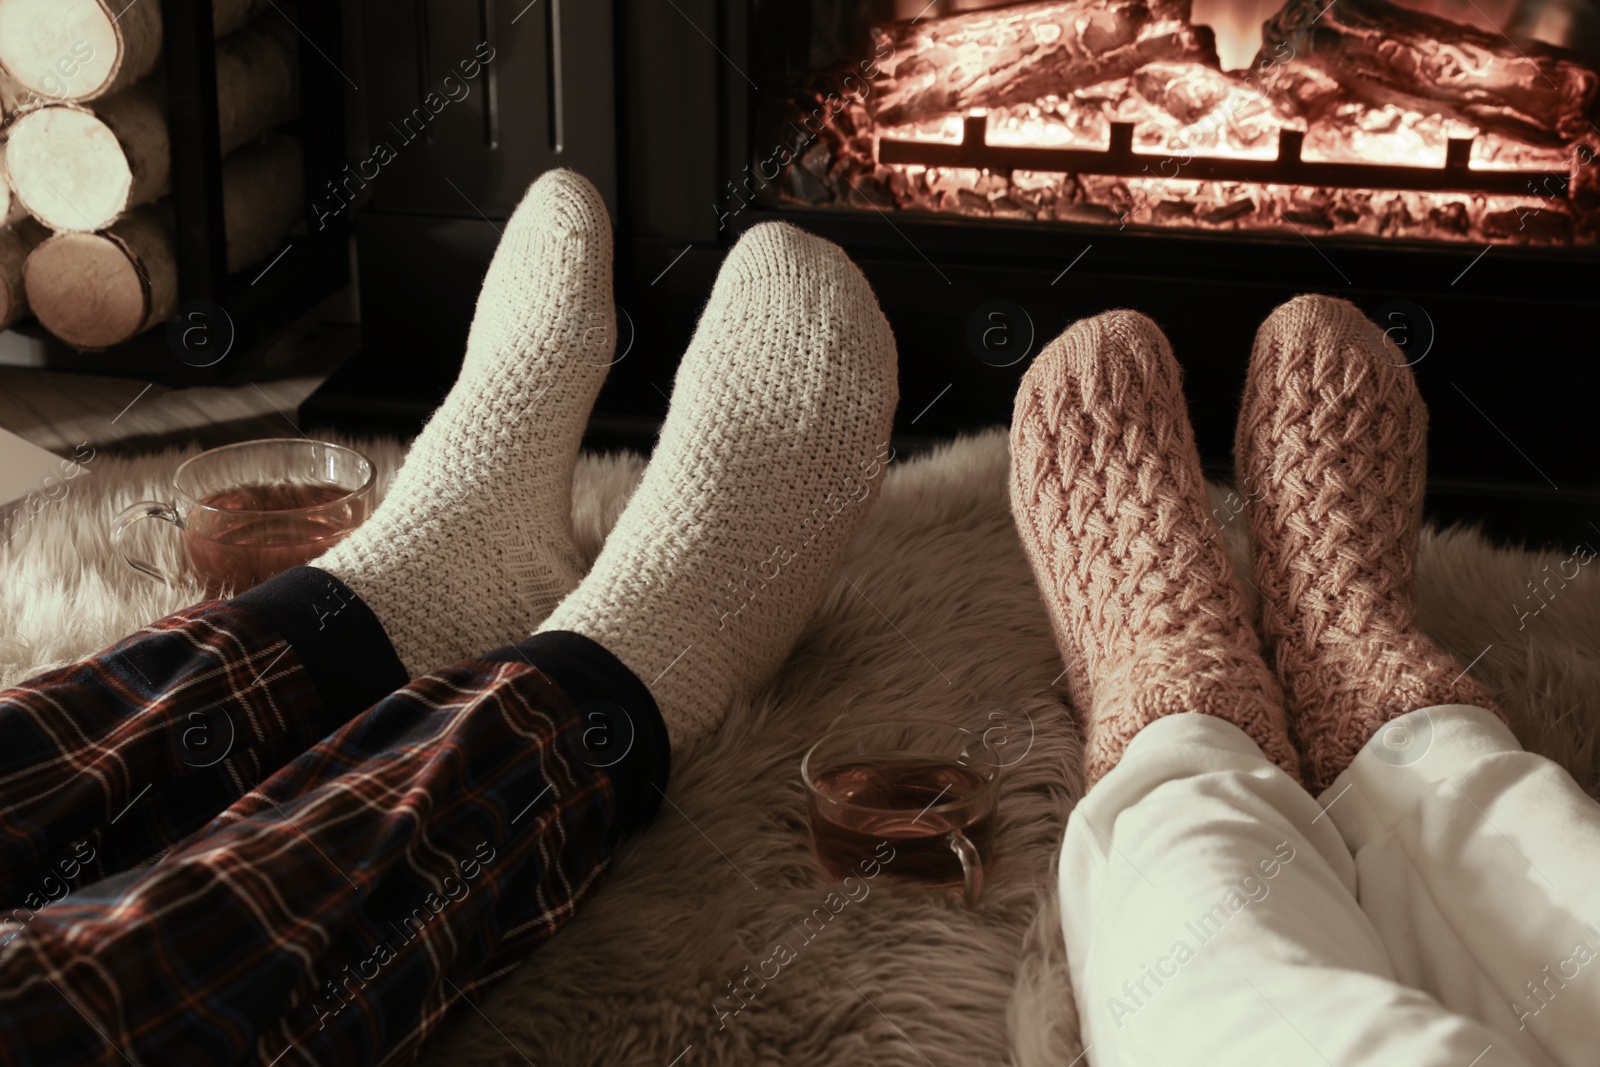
1364,83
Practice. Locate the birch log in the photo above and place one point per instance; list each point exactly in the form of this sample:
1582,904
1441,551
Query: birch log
83,166
80,49
15,244
12,95
95,290
11,209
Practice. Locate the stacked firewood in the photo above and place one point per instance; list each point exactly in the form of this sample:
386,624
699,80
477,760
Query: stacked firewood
88,239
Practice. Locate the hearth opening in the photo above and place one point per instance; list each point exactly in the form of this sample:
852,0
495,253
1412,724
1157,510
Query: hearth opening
1437,120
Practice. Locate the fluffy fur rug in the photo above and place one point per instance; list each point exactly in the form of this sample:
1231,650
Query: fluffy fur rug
946,621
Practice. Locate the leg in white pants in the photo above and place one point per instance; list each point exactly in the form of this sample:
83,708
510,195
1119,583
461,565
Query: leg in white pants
1211,918
1479,865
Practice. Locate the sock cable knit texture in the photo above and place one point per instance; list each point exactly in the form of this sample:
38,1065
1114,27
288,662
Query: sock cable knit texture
1331,447
472,546
771,455
1109,498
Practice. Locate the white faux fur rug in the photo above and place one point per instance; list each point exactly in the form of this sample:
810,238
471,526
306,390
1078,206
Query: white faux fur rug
942,619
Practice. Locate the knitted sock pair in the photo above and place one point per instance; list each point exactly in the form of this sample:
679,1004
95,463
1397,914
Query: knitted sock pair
781,404
780,408
1109,497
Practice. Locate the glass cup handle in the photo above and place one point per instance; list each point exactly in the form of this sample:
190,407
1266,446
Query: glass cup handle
145,509
971,865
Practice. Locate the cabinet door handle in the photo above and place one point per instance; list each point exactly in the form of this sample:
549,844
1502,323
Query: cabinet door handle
558,132
424,63
491,77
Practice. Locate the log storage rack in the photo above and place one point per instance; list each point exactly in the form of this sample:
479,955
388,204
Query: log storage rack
1119,159
243,311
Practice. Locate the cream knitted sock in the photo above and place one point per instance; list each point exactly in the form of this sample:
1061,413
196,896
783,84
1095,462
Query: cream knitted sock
1332,443
472,546
772,453
1108,495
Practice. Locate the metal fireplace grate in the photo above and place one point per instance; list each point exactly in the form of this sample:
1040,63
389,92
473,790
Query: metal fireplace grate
1288,168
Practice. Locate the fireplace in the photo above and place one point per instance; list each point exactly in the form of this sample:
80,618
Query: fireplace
1433,163
1001,169
1354,118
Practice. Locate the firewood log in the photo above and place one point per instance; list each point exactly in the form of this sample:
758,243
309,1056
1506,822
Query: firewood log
1017,54
76,169
83,166
15,244
1384,54
11,209
95,290
12,95
80,49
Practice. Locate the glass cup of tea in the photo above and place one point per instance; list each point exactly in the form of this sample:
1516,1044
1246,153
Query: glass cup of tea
923,790
251,510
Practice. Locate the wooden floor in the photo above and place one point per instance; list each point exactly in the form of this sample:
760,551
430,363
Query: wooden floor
59,411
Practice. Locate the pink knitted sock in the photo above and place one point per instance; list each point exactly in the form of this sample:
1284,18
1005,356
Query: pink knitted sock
1109,498
1331,452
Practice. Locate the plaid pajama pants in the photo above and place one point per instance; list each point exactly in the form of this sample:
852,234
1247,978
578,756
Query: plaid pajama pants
241,836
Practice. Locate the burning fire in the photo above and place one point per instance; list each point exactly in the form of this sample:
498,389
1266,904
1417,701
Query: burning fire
1184,102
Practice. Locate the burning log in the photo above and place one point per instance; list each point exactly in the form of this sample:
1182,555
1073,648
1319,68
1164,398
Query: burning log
15,244
1014,55
1373,110
95,290
1383,54
82,167
81,49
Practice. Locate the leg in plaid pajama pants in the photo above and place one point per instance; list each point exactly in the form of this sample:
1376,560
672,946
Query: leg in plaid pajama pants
241,836
343,857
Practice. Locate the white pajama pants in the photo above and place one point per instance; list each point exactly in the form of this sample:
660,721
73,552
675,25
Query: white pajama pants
1438,906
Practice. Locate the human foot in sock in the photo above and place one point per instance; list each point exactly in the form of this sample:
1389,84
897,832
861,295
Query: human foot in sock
772,453
1108,495
1332,436
472,546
